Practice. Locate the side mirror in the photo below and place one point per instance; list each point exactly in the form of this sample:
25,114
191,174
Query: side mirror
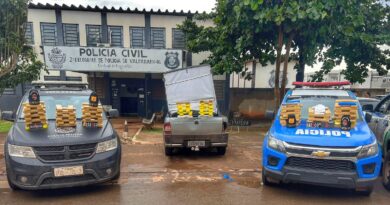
368,107
8,116
113,113
269,114
368,117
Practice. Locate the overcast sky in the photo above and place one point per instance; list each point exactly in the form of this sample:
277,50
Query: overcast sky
193,5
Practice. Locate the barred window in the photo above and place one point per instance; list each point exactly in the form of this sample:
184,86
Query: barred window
71,34
158,37
178,39
116,36
29,35
94,35
137,37
49,34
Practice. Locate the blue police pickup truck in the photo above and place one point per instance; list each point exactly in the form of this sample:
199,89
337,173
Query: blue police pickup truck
320,136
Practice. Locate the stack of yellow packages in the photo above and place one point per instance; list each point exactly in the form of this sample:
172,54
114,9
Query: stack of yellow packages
92,116
184,109
35,115
290,109
65,116
319,113
345,108
206,108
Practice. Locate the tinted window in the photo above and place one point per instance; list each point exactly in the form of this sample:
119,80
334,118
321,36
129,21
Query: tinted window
158,37
94,35
71,34
178,40
29,35
137,36
116,36
49,34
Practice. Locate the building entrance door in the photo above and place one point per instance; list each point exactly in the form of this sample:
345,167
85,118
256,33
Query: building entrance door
129,106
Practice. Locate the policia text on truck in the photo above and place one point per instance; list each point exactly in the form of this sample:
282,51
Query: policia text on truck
319,136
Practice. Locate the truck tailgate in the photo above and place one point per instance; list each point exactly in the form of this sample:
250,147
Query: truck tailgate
196,126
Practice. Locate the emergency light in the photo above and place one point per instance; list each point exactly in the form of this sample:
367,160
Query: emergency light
321,84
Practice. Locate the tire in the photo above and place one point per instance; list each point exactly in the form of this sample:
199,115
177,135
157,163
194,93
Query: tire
12,185
366,192
168,151
221,150
264,178
115,180
386,171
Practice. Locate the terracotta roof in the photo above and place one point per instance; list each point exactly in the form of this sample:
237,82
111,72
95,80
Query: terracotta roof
112,9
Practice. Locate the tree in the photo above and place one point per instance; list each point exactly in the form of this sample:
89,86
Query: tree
262,29
18,62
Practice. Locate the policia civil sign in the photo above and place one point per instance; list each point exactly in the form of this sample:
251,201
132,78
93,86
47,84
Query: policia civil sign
96,59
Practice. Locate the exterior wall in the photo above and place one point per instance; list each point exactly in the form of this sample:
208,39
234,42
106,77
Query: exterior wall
251,103
127,21
262,77
81,18
38,16
167,22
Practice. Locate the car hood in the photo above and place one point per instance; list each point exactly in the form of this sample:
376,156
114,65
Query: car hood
329,137
53,136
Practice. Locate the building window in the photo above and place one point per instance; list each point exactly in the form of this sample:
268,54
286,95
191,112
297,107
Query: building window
137,36
49,34
178,39
116,36
94,35
71,34
158,37
29,35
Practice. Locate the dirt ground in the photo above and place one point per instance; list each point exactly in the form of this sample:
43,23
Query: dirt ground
149,177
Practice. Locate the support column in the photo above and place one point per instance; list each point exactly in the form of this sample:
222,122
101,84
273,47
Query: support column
148,43
104,27
253,74
60,37
148,95
226,95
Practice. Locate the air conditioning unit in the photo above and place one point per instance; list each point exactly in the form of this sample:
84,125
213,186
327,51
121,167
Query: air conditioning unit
104,45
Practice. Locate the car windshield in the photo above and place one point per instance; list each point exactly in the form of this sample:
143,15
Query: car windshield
64,100
312,101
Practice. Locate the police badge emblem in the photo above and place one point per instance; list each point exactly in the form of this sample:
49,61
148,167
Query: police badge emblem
93,99
57,58
171,60
33,97
345,122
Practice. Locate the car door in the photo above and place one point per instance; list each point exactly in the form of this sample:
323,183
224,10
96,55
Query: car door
380,118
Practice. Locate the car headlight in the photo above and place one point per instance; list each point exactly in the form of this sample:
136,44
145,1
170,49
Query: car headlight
275,144
107,145
368,150
21,151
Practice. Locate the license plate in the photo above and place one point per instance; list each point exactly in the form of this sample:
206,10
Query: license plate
196,143
68,171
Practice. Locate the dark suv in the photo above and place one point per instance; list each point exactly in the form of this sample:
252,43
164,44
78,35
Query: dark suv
57,157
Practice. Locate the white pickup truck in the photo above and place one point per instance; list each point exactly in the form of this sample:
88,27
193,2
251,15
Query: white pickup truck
195,130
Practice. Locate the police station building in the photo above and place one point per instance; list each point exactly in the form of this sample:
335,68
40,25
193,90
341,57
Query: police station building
121,53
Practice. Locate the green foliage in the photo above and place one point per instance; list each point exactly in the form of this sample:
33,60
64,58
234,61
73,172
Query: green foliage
5,126
327,31
18,62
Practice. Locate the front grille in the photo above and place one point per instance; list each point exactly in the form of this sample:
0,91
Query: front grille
64,180
63,153
332,154
320,164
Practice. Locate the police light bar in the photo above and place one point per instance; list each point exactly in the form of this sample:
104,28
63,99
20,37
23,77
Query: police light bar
321,84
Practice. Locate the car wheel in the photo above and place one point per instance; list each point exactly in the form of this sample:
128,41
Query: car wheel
115,180
386,172
264,178
221,150
12,185
366,192
168,151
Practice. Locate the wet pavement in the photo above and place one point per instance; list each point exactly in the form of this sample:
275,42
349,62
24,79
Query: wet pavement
149,177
